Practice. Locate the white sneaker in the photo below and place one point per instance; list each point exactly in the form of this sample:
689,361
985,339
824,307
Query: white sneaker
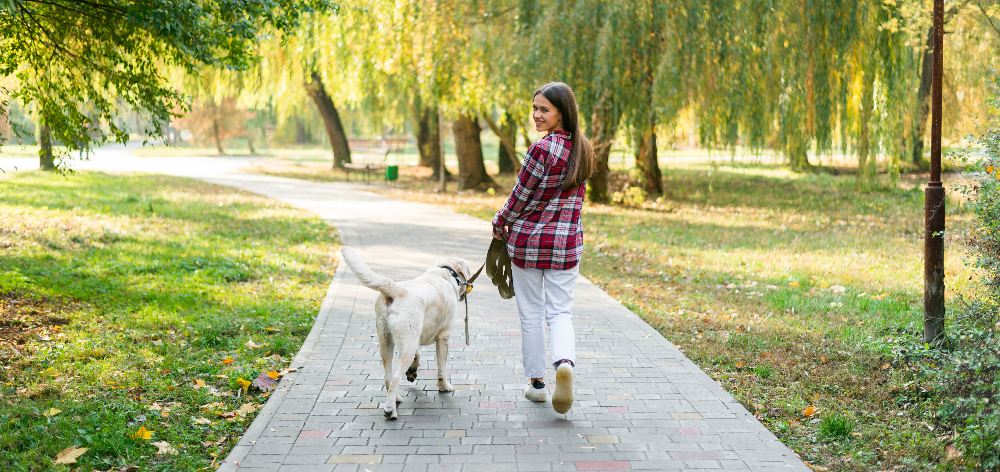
562,398
536,394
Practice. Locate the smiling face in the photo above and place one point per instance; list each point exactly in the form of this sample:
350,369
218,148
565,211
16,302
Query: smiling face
545,114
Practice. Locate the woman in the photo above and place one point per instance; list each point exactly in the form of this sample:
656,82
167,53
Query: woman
541,225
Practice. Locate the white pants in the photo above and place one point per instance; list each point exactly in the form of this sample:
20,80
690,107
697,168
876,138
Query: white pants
545,294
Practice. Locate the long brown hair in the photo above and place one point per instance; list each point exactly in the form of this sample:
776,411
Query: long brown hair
581,155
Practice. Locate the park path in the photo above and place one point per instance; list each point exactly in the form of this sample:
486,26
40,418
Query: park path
641,404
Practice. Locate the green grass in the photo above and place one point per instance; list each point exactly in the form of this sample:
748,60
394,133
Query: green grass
786,288
118,293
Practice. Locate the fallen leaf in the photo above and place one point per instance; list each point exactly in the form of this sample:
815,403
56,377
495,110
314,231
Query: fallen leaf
70,455
200,420
285,372
794,284
252,345
740,364
51,412
213,406
809,411
164,447
264,383
142,433
838,289
273,374
244,384
246,409
886,366
198,383
952,453
228,360
823,359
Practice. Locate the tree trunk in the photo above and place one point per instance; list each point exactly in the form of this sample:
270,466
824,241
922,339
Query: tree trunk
45,159
331,119
471,170
923,99
647,162
507,160
250,144
867,164
507,139
216,133
602,135
429,141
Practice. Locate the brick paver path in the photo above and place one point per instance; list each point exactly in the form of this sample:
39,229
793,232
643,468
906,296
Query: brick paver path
641,404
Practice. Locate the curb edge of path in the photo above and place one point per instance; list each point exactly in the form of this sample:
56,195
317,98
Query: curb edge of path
260,422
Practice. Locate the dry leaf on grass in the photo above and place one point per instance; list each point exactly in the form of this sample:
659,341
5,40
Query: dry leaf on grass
70,455
809,411
244,384
241,412
952,453
252,345
51,412
201,420
198,383
164,447
228,360
264,382
142,433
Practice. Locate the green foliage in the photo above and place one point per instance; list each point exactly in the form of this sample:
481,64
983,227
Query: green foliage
631,197
835,426
81,64
957,385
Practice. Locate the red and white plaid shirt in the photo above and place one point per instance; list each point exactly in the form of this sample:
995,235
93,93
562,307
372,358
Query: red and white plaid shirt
544,220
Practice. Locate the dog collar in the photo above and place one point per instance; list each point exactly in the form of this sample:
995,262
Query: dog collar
464,287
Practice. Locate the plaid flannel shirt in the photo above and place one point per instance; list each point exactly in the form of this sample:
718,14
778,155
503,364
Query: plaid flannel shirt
544,220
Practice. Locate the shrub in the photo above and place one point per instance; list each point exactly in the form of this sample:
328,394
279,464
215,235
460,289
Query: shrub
957,385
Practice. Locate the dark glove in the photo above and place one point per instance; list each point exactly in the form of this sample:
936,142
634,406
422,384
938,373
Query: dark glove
498,268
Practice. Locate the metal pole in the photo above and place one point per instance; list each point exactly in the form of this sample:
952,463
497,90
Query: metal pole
934,209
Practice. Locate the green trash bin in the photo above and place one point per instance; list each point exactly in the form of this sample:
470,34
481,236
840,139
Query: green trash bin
391,173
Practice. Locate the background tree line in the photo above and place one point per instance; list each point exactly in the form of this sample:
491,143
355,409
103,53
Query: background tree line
797,77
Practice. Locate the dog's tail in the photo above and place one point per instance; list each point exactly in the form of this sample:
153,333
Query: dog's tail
368,278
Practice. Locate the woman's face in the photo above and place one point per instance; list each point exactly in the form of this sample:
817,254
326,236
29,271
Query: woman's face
545,114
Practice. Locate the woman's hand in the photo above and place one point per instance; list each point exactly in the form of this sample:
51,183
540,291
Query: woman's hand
499,232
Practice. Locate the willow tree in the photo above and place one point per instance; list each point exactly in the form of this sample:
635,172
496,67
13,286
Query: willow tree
311,65
79,64
586,44
805,75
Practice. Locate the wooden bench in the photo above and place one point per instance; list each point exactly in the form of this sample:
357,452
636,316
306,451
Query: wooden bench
376,153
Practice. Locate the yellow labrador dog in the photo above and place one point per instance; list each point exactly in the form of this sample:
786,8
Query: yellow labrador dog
410,314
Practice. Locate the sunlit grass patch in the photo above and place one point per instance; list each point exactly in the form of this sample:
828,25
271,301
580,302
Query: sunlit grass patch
125,296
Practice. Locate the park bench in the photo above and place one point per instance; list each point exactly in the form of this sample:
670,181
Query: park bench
370,156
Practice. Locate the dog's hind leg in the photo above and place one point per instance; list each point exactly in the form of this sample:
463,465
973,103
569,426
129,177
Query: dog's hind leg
442,364
411,373
407,349
385,348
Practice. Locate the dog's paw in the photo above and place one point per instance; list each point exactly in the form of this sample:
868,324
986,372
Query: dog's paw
445,386
411,375
390,412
